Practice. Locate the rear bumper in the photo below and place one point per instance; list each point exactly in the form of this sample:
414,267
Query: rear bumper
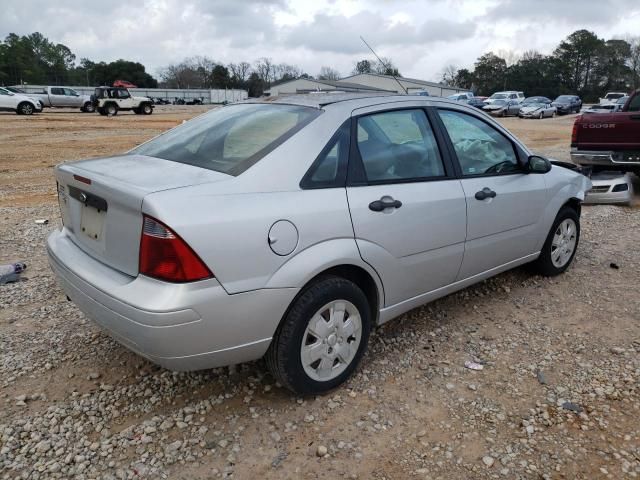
179,326
606,158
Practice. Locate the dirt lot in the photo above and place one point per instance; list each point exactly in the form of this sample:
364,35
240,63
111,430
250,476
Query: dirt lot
559,396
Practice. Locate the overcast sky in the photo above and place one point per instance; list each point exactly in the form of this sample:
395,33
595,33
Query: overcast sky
422,37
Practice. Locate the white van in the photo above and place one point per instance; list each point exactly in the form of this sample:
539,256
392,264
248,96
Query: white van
508,95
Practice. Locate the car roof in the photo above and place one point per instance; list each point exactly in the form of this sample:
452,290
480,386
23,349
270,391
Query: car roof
354,99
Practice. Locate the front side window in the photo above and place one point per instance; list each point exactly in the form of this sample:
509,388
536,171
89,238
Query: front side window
229,139
4,92
480,148
399,145
70,93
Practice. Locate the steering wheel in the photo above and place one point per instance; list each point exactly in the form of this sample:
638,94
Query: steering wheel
498,167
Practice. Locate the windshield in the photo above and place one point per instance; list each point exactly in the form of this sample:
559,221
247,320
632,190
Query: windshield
500,102
229,139
564,99
498,95
535,104
622,100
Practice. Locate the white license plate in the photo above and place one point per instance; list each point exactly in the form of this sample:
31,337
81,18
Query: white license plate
92,222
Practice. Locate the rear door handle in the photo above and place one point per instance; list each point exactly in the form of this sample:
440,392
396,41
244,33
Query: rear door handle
485,193
384,203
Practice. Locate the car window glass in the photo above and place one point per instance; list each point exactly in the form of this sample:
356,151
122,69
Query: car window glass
400,145
69,93
480,148
3,92
634,105
362,134
332,161
57,91
229,139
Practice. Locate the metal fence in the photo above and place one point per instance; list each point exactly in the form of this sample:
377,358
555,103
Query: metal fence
208,96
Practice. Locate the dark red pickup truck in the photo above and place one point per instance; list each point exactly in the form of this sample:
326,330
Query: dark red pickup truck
609,141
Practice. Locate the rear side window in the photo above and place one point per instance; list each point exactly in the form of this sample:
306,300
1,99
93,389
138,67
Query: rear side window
230,139
634,105
330,168
57,91
399,146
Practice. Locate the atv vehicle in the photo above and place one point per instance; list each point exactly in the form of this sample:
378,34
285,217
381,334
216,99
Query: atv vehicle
110,100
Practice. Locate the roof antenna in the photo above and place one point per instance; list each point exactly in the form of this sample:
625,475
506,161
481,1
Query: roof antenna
384,65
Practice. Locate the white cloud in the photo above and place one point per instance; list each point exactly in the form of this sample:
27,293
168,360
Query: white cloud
420,36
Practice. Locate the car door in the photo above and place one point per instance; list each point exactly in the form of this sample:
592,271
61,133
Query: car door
408,209
72,98
7,101
504,204
57,97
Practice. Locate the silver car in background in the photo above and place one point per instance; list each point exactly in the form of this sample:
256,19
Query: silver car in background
290,229
537,110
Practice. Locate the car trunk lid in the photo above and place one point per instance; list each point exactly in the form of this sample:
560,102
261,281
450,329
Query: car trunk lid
101,202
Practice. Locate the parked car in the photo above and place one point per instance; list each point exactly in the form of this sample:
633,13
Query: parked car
567,104
610,187
110,100
18,102
421,93
58,97
531,100
461,97
263,245
123,84
537,110
611,97
477,102
508,95
502,108
608,108
620,103
609,141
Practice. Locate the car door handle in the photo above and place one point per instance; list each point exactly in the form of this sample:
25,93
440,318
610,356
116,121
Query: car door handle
485,193
384,203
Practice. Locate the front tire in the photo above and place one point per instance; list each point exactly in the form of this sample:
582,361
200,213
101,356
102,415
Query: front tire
146,109
561,244
25,108
322,338
111,109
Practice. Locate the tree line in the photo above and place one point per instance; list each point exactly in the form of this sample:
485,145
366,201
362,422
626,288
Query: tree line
33,59
581,64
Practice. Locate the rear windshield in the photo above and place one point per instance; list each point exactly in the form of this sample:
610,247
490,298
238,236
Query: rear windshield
229,139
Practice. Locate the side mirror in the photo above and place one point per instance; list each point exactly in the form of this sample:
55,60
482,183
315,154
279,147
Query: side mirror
538,164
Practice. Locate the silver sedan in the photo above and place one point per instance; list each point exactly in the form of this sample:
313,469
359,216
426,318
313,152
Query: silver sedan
290,229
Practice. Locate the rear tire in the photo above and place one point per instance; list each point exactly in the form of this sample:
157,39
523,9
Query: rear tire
561,244
328,325
88,108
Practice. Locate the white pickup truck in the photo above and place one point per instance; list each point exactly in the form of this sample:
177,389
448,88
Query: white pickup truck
64,97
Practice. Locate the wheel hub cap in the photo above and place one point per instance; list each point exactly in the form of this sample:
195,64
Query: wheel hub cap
331,340
564,243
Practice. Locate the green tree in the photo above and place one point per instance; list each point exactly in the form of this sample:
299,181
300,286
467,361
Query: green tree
490,73
578,55
362,66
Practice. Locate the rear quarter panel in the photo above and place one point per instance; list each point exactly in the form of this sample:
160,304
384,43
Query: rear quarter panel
230,232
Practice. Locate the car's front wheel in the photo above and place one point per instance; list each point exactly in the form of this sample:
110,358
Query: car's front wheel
322,337
561,244
25,108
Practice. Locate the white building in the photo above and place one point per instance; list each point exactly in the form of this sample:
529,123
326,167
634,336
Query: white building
412,85
309,85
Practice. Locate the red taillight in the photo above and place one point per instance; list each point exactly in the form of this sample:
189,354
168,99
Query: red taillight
165,256
574,132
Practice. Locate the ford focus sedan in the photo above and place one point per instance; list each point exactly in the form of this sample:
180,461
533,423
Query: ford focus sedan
288,230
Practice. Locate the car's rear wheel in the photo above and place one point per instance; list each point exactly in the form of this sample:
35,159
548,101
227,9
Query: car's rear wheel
561,244
25,108
111,109
322,337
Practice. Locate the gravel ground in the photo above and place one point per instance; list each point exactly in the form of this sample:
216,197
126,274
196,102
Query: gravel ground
558,397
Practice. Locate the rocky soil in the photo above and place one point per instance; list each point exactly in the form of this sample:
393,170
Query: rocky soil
558,396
